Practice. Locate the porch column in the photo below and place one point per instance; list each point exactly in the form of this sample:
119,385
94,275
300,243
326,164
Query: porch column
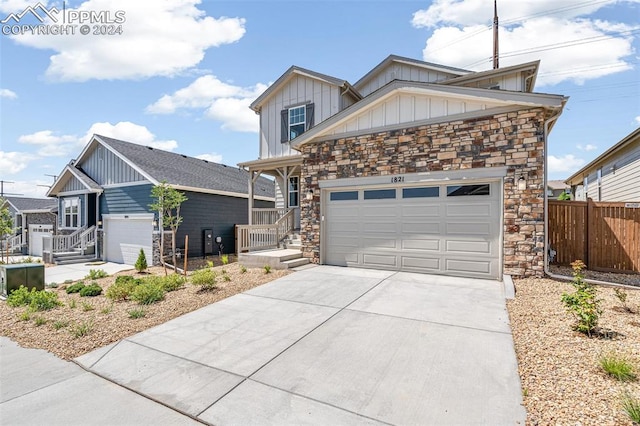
250,200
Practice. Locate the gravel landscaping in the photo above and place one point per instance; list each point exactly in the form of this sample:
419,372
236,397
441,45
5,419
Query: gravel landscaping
562,381
110,321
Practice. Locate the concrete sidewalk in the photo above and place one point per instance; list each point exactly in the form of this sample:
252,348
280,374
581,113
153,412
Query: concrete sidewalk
332,345
60,273
37,388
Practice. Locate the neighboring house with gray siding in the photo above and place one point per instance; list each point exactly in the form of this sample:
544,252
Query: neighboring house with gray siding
109,186
416,167
613,176
32,218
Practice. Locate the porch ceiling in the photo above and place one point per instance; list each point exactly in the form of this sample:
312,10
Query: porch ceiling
267,164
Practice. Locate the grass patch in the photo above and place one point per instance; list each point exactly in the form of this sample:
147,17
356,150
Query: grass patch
86,307
25,316
57,325
243,269
631,406
107,309
617,367
95,274
82,329
38,321
137,313
267,269
73,303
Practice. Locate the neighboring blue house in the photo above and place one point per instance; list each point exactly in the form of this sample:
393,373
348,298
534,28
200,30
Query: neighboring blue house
32,219
107,191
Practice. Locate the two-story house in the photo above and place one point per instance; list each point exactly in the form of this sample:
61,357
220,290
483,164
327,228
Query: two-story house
415,167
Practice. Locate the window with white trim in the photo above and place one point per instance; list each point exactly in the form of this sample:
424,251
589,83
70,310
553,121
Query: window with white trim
71,215
295,121
294,191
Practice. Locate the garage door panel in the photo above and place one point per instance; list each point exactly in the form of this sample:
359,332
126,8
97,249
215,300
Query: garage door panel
380,242
465,265
379,211
379,227
418,244
465,228
469,246
421,211
346,227
469,210
421,228
421,264
376,260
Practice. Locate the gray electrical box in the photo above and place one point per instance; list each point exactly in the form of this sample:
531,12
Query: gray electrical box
30,275
207,241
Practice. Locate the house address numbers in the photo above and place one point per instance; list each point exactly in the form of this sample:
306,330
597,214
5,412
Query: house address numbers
397,179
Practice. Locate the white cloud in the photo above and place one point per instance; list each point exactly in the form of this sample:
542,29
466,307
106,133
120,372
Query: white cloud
129,132
159,39
588,147
213,157
566,163
222,101
52,144
462,37
6,93
36,188
16,6
14,162
637,119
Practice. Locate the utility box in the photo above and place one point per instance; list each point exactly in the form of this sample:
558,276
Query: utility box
30,275
207,241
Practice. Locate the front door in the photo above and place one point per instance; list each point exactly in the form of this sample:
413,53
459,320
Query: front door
294,199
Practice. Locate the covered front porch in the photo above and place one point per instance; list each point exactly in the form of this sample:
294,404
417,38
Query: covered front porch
271,228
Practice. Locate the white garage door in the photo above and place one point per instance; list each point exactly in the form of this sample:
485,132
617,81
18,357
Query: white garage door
125,236
451,229
36,232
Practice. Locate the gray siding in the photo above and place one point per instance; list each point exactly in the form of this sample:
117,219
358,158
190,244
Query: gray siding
107,169
217,212
297,91
621,177
513,82
127,199
73,184
399,71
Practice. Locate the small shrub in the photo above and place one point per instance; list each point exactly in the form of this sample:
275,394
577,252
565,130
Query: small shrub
225,259
243,269
75,288
38,321
68,281
622,297
19,297
95,274
72,303
25,316
205,278
583,303
82,329
224,271
52,285
631,407
122,288
60,324
86,307
617,367
141,263
172,282
91,290
226,277
43,300
147,293
107,309
136,313
127,279
267,269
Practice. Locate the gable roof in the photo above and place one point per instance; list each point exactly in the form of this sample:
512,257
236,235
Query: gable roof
505,97
557,184
403,60
633,137
530,67
72,172
32,205
296,70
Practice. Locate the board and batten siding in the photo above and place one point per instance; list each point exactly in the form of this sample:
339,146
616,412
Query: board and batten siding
406,108
106,168
217,212
126,199
399,71
298,91
73,184
621,177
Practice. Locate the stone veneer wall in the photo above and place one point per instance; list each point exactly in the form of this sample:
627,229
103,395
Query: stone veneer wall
514,140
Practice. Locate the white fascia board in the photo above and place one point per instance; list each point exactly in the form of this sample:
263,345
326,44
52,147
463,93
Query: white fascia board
132,216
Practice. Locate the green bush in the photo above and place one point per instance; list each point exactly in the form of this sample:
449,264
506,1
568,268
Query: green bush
128,279
267,269
19,297
243,269
173,282
225,259
94,274
205,278
583,303
122,288
141,263
37,300
75,288
617,367
25,316
91,290
147,293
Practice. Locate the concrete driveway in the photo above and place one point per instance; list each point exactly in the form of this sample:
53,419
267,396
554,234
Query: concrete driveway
332,345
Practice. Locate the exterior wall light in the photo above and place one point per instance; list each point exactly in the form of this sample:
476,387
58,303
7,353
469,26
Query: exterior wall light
522,183
310,195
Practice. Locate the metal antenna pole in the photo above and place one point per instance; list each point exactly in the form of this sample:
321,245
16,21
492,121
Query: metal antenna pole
495,35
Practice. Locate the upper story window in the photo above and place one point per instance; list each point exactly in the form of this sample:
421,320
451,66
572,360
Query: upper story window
71,218
295,121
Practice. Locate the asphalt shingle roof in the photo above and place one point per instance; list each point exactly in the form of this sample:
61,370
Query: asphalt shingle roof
27,204
182,170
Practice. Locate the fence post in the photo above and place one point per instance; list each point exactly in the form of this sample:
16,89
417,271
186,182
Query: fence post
589,226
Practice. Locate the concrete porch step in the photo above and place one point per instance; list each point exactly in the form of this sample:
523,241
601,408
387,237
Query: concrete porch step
71,259
277,259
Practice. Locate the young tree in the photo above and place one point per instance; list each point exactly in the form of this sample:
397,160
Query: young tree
6,226
141,263
167,203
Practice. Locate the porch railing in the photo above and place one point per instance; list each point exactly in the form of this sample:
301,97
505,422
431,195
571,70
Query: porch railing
267,216
262,237
14,242
79,239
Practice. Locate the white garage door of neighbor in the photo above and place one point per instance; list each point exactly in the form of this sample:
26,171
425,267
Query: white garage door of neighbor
36,232
124,237
451,228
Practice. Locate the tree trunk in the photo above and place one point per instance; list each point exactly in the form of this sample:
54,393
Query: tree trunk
173,245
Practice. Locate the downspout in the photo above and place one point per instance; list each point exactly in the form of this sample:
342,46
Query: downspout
546,219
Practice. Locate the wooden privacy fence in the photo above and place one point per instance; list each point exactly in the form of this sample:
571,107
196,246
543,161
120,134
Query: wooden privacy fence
606,236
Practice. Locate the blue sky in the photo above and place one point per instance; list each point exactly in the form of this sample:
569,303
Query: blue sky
183,72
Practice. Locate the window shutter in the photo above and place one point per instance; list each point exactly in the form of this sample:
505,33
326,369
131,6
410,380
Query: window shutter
284,126
309,116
